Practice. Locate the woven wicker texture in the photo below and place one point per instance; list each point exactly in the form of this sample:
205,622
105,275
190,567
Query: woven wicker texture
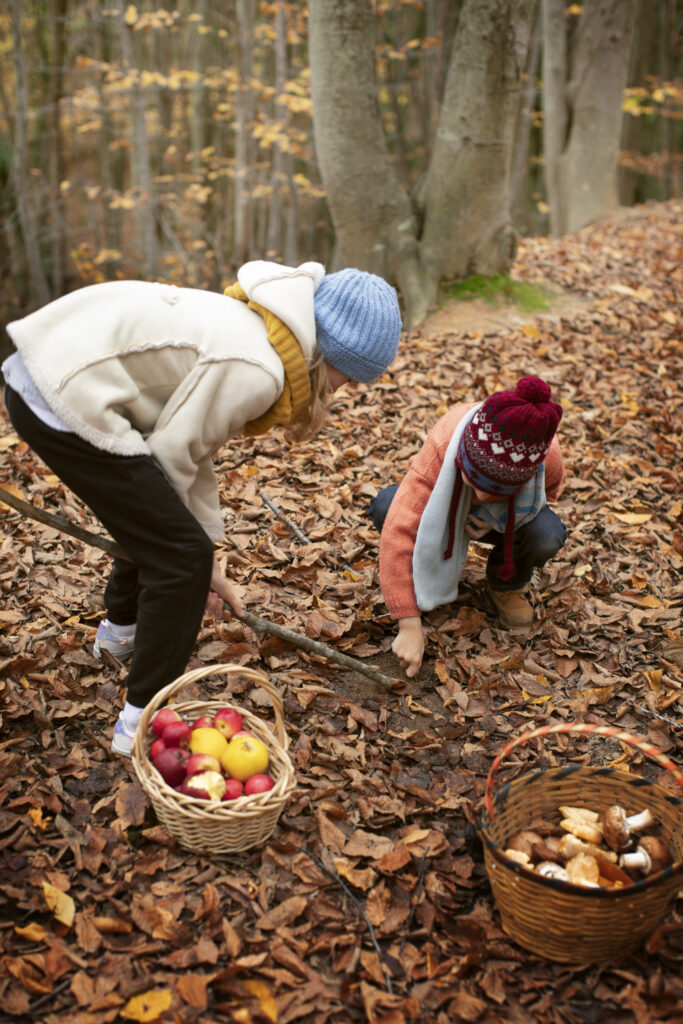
556,920
215,827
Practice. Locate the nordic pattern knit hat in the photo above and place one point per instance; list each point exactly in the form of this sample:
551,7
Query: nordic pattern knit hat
503,446
358,323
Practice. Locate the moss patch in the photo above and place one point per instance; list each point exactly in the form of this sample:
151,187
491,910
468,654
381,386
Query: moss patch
532,298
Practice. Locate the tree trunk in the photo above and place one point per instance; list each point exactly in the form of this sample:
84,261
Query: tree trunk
142,174
467,203
368,206
462,223
243,206
57,16
582,150
21,176
520,200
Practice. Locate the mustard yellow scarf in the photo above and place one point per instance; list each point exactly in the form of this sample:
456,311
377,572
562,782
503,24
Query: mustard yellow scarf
296,394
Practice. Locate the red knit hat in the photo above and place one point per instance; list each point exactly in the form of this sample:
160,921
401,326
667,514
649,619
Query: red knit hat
503,446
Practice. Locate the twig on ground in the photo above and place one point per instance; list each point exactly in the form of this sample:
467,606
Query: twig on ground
322,650
296,531
334,875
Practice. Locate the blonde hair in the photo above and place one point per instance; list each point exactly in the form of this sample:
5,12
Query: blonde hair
315,416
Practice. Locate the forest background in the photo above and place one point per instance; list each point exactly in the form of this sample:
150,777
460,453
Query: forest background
175,141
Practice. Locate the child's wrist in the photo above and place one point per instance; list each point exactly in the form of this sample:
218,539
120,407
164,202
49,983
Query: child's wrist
411,624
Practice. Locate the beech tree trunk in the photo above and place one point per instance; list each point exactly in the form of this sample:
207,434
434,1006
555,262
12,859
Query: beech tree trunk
460,222
583,84
21,176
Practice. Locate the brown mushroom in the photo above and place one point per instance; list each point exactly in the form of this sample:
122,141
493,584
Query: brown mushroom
547,850
524,841
570,845
617,827
651,855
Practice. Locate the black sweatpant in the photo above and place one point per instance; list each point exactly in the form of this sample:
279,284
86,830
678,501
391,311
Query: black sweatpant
165,584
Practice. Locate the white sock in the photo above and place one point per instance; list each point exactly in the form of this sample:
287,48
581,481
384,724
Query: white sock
131,716
120,632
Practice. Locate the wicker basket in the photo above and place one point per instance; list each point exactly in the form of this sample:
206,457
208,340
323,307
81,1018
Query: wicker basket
555,919
217,827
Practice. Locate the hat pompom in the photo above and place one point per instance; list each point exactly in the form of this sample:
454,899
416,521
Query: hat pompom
533,389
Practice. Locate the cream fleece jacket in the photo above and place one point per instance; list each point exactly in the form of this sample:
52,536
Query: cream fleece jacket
136,368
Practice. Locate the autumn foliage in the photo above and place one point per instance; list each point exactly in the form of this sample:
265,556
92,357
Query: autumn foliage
371,900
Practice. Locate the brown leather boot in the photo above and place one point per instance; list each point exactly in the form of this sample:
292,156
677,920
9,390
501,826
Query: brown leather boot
514,611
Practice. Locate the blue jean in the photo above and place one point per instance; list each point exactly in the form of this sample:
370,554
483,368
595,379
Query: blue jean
534,543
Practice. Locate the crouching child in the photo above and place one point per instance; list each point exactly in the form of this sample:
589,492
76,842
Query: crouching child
485,473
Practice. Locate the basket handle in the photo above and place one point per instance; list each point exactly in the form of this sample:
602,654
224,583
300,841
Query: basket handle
200,673
577,728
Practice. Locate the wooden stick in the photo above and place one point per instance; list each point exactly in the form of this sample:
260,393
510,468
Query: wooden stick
322,650
253,621
62,524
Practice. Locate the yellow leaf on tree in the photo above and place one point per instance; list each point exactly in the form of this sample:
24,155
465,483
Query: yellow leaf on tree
131,15
148,1006
60,903
267,1004
633,518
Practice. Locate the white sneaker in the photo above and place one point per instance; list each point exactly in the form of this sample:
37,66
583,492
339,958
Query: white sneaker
106,641
122,742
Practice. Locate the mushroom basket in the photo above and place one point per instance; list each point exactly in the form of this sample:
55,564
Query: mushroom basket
217,827
551,917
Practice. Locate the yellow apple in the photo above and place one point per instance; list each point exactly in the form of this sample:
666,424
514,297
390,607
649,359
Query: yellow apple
244,756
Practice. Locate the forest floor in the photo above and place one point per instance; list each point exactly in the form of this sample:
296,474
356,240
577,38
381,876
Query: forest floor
372,900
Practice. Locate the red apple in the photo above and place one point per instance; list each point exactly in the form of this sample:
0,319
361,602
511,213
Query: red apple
164,718
155,749
177,734
241,732
233,789
228,721
258,784
203,723
202,763
170,764
204,786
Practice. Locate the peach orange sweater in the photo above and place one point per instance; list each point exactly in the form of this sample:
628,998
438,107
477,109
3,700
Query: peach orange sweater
400,528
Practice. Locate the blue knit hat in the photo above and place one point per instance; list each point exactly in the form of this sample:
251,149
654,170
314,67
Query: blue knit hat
358,323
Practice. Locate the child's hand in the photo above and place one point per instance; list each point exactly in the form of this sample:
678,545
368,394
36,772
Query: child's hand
409,645
220,591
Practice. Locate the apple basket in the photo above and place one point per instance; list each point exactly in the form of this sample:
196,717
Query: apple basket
553,918
217,827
